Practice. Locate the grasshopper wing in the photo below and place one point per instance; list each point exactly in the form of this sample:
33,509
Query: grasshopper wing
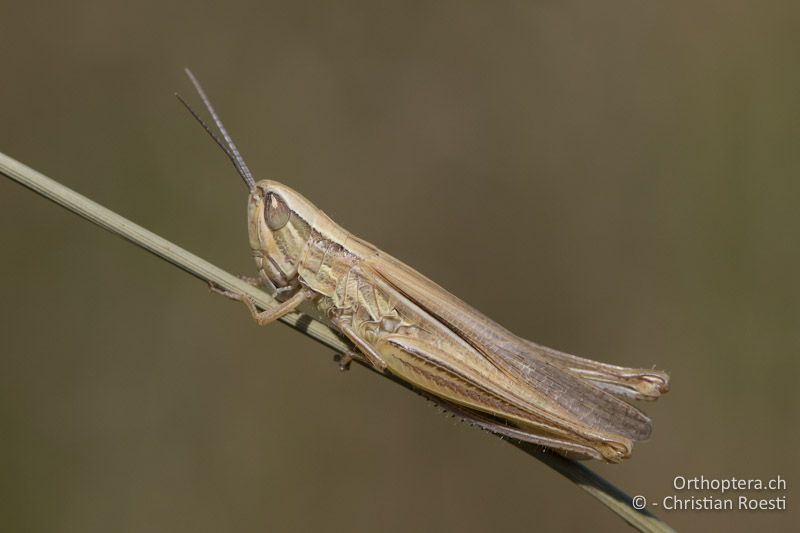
590,405
629,383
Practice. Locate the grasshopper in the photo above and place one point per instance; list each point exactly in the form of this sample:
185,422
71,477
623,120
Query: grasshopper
404,324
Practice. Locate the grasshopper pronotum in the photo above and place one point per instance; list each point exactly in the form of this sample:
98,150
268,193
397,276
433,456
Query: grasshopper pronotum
402,323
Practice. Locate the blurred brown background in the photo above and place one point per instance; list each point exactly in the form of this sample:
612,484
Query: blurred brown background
614,179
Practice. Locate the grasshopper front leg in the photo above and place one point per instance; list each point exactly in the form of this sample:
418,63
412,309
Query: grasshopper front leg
266,316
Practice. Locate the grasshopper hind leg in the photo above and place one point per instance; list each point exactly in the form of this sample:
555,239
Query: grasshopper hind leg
488,423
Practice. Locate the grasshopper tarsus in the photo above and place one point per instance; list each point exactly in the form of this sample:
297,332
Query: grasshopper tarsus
267,316
216,288
345,359
219,289
251,280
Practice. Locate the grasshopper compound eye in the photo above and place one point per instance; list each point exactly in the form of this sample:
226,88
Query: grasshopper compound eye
276,212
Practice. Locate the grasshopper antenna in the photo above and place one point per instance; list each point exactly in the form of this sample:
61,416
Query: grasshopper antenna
208,130
229,147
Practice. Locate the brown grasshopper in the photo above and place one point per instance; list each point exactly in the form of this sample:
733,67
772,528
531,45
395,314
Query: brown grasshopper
404,324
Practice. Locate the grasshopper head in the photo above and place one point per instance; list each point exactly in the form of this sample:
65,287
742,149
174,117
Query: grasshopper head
279,219
279,222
